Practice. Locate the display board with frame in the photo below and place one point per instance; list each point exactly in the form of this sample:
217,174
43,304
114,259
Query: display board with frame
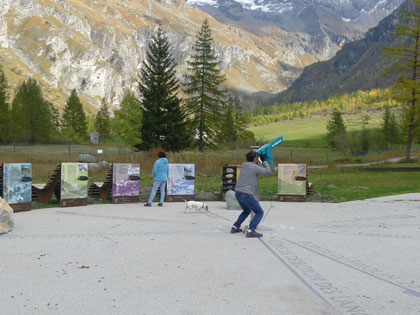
181,182
74,184
17,185
125,183
292,182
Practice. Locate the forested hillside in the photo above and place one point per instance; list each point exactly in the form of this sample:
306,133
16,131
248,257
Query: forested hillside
360,65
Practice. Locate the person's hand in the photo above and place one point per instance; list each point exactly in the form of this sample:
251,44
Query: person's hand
262,157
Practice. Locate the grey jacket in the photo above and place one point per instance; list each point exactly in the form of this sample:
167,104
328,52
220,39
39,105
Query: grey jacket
248,177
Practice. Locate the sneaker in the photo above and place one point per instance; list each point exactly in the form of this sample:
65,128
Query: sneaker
234,230
160,204
253,233
147,204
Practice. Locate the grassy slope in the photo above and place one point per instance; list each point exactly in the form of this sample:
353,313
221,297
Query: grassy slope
299,132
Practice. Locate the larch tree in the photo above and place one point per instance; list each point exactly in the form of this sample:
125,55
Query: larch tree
103,121
74,116
407,57
128,120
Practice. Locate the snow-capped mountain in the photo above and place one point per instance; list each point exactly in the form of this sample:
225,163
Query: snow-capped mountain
358,12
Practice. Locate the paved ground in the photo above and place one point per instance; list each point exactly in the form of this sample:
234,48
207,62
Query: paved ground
352,258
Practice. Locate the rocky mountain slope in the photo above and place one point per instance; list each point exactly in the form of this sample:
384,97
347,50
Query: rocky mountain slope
98,46
359,65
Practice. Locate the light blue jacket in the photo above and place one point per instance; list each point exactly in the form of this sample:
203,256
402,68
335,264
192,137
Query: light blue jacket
161,169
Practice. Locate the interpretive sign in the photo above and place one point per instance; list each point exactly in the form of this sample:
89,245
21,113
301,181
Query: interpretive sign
17,185
181,182
74,184
292,182
126,182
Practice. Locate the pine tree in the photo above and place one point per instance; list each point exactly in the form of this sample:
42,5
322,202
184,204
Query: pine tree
163,118
31,116
389,129
74,115
336,131
128,120
203,86
103,121
234,122
242,118
227,133
4,109
407,56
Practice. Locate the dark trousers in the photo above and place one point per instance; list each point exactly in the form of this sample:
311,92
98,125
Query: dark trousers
248,203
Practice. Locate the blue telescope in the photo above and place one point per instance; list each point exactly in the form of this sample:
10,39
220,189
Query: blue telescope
266,148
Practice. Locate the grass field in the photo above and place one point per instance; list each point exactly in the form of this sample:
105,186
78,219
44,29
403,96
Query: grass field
332,184
306,132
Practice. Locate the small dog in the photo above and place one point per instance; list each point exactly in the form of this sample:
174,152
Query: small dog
189,205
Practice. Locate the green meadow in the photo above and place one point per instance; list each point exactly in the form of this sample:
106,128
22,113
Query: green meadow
307,132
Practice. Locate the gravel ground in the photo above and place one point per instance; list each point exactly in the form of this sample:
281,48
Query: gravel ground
358,257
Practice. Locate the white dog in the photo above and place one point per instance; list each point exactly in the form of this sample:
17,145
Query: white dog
189,205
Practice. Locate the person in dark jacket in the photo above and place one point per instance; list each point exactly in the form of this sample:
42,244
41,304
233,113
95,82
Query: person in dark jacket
246,191
160,176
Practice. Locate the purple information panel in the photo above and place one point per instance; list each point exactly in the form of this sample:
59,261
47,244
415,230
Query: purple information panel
126,182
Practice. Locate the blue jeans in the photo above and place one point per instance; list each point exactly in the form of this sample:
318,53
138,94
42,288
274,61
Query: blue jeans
156,185
248,203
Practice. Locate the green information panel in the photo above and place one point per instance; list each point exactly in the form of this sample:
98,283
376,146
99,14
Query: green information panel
292,179
74,184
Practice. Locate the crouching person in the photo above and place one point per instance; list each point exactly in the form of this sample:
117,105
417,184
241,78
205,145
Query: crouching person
246,190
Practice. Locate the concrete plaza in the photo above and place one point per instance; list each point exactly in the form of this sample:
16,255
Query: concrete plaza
358,257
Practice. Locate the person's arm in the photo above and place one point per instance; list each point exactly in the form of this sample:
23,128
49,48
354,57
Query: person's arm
155,169
265,169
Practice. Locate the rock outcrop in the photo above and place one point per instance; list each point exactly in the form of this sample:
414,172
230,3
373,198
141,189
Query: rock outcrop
98,46
6,217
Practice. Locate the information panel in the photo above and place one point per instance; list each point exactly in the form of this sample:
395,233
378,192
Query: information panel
181,182
17,185
74,184
126,182
292,182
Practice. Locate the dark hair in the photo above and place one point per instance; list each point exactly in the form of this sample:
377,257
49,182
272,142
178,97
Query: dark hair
161,154
250,156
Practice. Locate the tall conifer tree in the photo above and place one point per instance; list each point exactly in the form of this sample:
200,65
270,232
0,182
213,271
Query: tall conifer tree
4,109
389,129
407,56
103,121
128,120
336,131
203,86
163,118
74,116
31,116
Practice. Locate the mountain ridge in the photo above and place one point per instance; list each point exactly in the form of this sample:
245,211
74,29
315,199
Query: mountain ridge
359,65
98,46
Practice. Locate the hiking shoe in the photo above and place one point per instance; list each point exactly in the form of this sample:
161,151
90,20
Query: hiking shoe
147,204
234,230
253,233
160,204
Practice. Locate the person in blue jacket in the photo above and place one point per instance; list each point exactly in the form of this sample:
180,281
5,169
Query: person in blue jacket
160,176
